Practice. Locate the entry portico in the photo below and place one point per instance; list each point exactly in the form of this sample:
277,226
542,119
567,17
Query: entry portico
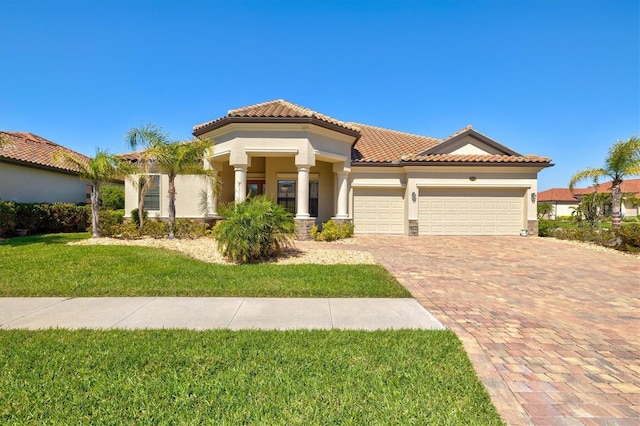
299,158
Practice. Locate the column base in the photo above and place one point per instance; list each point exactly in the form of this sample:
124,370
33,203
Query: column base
303,228
532,228
414,229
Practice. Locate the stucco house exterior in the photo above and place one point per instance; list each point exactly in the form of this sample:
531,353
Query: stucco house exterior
564,201
384,181
29,173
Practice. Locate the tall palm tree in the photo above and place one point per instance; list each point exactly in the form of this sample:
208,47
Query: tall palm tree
622,162
102,168
169,157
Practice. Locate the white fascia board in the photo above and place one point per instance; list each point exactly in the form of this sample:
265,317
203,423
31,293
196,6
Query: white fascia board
377,183
472,185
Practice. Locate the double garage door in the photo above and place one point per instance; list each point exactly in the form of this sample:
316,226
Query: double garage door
450,211
471,211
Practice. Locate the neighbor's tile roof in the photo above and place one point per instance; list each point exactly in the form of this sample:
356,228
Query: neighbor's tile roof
373,144
557,194
32,149
278,108
564,194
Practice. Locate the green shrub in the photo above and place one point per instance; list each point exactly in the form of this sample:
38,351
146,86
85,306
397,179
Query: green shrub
7,218
632,219
185,228
125,231
629,237
545,228
66,217
110,221
155,229
332,231
111,197
135,216
254,230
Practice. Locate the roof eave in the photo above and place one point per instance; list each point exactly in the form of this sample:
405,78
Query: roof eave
273,120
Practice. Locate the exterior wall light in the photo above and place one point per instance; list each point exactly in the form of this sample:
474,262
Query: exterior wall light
413,196
533,197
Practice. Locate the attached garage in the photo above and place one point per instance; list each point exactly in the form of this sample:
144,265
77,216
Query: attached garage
462,211
378,211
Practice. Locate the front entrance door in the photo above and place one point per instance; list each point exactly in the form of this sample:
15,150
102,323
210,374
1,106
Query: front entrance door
255,187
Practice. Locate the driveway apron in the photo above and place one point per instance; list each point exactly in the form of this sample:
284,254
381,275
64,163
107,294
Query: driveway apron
552,329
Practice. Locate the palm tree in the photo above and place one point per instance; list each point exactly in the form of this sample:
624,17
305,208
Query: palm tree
169,157
102,168
622,162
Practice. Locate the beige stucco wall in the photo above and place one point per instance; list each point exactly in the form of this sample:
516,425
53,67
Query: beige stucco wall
189,192
31,185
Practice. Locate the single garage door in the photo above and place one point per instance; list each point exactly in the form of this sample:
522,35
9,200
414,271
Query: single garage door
470,211
378,211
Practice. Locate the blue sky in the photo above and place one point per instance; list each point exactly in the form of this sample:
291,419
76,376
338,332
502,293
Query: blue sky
558,78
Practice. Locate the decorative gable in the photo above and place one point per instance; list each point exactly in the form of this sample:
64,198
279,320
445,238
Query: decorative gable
469,142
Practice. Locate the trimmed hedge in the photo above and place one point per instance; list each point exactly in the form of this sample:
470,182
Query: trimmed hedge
42,218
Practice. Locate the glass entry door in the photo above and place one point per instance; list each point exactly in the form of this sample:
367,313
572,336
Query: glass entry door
255,187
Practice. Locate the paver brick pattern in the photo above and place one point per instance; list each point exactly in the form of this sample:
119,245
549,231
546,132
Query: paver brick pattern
553,329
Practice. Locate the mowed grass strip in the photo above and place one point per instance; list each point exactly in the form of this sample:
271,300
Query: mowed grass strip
45,266
239,377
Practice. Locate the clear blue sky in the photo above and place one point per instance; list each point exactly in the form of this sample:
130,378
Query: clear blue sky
557,78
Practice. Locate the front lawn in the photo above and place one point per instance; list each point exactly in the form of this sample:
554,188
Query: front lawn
247,377
45,266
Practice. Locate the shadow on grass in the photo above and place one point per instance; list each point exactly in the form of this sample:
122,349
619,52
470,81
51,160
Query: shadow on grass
43,239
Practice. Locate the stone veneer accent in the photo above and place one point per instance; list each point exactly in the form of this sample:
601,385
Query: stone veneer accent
533,228
303,228
414,230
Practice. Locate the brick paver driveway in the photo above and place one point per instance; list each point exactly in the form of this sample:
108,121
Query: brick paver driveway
552,329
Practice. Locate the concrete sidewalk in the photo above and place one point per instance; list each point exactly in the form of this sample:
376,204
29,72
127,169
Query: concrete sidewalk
214,313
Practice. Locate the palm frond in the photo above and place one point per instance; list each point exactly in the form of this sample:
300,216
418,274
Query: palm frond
590,173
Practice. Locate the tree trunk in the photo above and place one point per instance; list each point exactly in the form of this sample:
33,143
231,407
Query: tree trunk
616,199
172,204
95,210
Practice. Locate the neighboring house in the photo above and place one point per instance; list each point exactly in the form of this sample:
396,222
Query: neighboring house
385,181
564,201
29,174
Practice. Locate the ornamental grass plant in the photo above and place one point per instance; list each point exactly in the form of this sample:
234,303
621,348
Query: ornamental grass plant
254,230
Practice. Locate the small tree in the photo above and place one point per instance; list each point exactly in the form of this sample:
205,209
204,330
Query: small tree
545,209
112,197
169,157
102,168
622,162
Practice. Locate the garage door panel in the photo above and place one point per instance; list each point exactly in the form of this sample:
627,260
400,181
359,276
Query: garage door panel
459,211
378,211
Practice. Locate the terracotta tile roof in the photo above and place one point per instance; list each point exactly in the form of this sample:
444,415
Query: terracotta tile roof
476,158
564,194
278,108
24,147
378,145
373,144
557,194
631,185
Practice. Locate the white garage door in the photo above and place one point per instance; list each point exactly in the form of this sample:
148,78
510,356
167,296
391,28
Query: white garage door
471,211
378,211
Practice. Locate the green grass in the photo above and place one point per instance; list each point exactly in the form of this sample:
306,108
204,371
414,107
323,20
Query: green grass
250,377
45,266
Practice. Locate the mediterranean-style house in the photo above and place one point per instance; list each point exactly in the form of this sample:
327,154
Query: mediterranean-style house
564,201
29,173
384,181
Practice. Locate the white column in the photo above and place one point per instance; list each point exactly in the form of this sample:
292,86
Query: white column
302,193
240,182
212,198
343,196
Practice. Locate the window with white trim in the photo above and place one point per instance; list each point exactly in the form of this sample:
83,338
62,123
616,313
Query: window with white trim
152,194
